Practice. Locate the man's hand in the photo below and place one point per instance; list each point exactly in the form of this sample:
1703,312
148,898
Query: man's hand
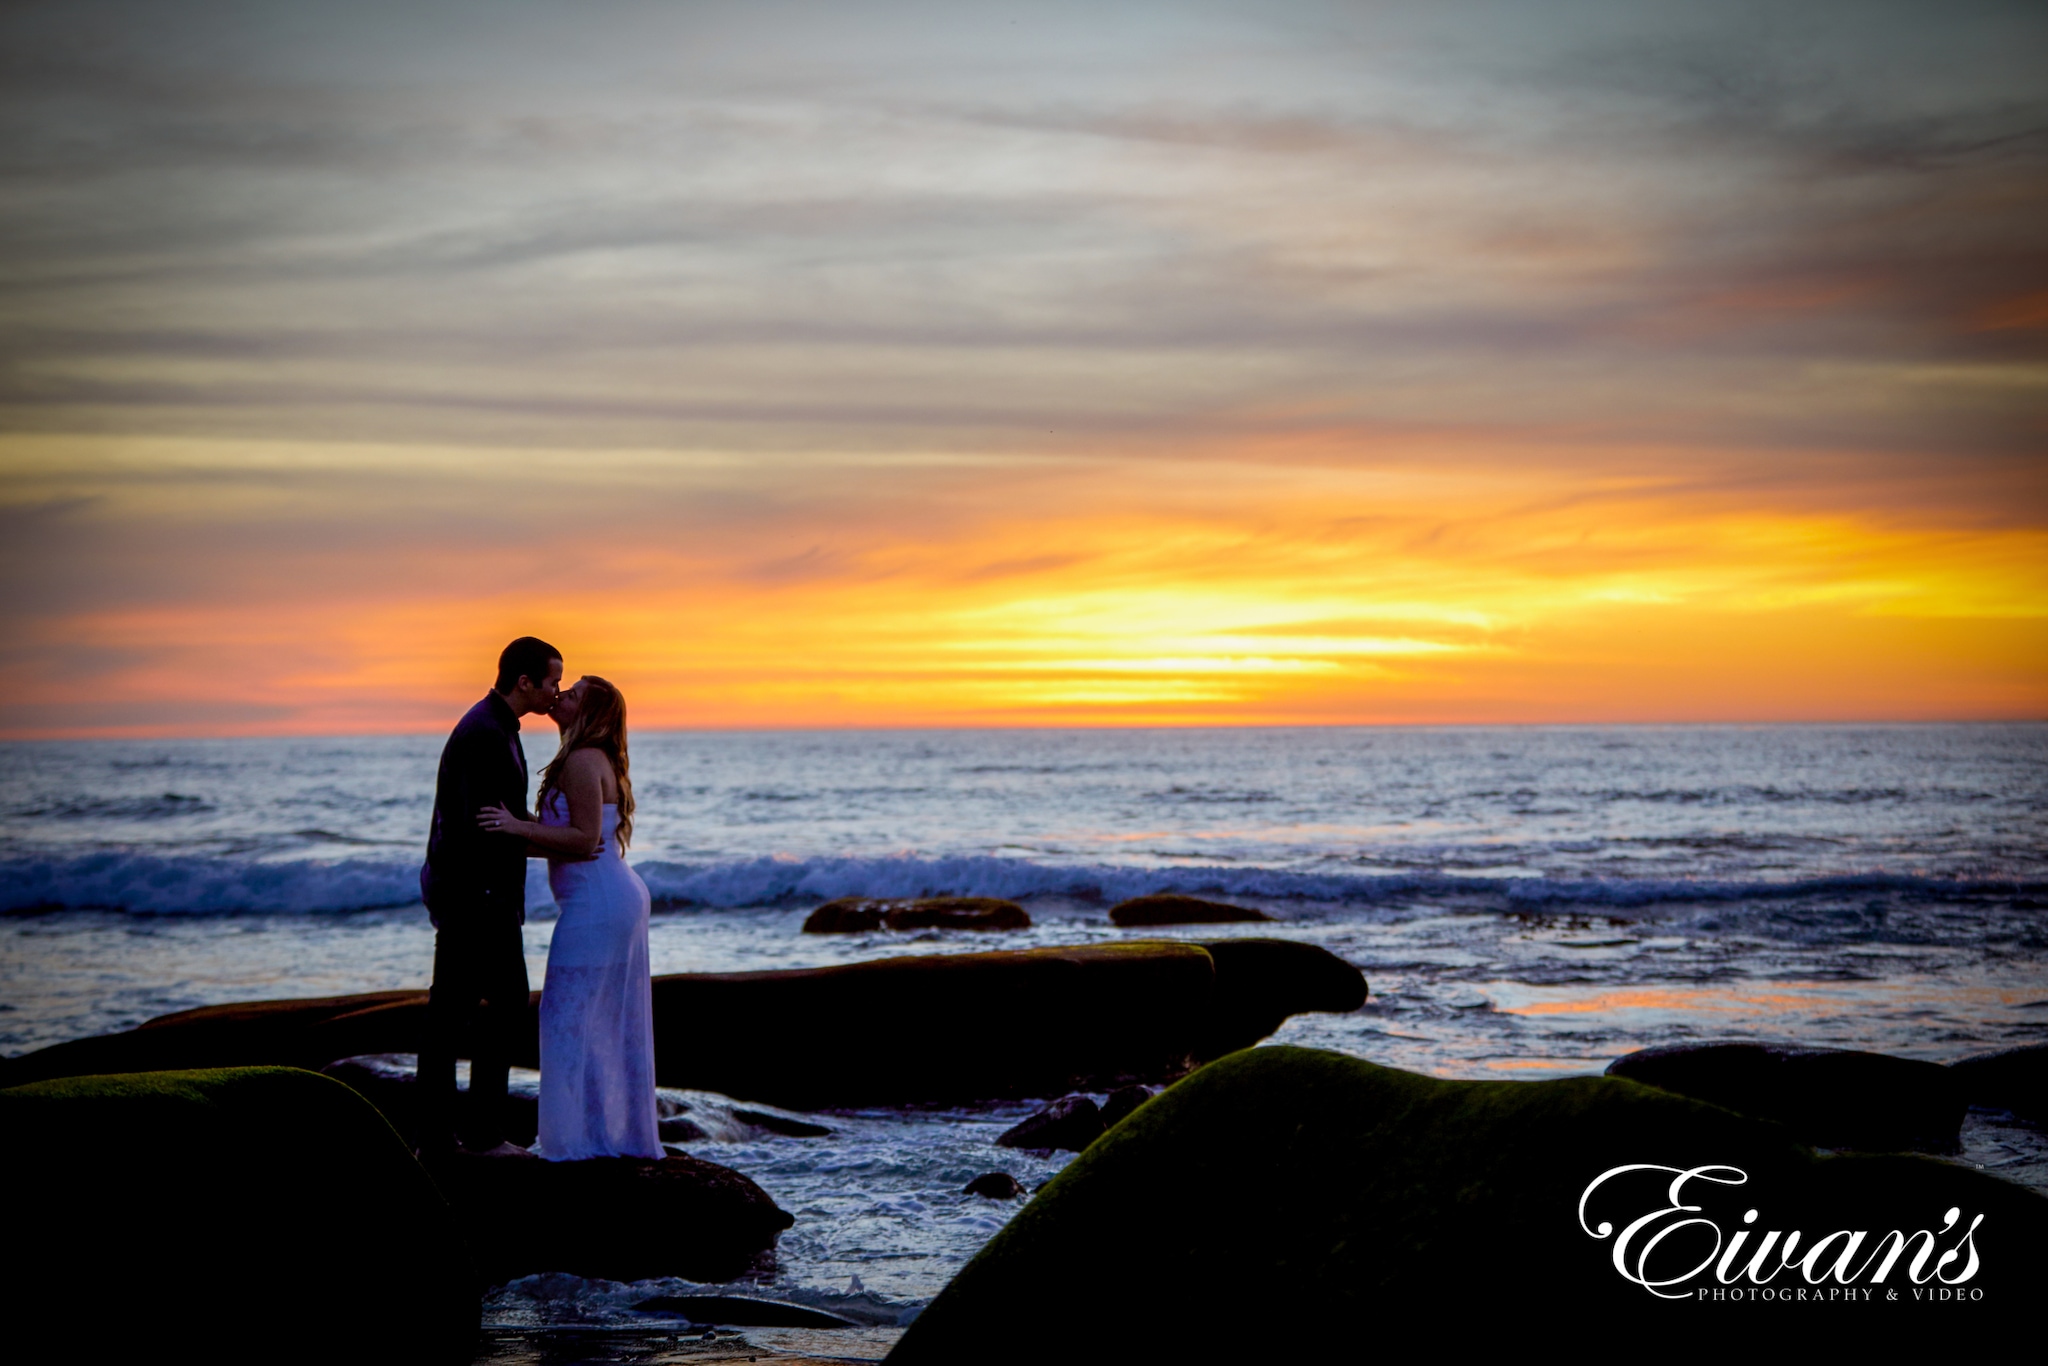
500,821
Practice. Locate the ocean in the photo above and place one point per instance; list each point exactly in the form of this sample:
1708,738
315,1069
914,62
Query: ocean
1524,901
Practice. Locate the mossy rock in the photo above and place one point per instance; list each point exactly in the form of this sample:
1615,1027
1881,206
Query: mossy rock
1830,1097
1170,908
238,1214
1285,1199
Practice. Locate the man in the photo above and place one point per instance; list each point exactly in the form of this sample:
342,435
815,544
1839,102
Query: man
474,884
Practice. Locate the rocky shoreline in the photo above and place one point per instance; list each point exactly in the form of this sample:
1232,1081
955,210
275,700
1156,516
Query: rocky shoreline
1324,1171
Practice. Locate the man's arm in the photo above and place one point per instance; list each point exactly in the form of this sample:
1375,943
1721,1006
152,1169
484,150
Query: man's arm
465,781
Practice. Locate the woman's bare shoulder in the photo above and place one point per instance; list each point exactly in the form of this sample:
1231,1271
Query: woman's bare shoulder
587,760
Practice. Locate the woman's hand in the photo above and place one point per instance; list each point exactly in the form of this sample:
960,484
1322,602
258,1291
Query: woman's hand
500,821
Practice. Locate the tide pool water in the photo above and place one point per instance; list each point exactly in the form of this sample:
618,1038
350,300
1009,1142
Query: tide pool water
1524,901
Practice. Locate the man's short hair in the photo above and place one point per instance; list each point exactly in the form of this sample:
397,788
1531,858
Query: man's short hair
528,656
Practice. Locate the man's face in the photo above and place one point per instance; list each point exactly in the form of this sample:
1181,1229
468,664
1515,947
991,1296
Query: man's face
532,696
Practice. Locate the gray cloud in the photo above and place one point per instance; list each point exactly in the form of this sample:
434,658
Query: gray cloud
669,224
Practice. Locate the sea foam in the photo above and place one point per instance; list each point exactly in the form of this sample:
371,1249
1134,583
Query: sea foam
153,884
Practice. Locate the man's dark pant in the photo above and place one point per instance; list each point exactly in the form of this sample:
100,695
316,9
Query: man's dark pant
478,999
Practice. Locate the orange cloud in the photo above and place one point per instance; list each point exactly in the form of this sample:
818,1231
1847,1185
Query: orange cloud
2029,310
1069,592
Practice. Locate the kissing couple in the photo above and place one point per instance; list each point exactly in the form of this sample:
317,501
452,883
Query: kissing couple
596,1005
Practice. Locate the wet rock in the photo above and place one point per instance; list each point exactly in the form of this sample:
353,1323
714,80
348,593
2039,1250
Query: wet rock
1169,908
855,914
246,1034
1122,1102
2014,1079
240,1214
1832,1098
1281,1197
1260,982
610,1218
963,1026
972,1026
848,915
1070,1124
957,913
742,1311
294,1033
781,1124
679,1129
994,1186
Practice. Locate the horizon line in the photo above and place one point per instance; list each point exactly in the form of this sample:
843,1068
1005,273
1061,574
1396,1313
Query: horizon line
112,735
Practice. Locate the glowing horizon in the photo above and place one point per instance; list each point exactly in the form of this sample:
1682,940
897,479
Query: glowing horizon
1198,365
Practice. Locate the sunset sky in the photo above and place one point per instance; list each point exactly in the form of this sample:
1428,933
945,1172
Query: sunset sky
959,364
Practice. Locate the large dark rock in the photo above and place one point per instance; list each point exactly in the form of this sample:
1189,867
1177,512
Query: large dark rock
852,915
1069,1124
1829,1097
610,1218
2014,1079
1283,1199
941,1027
1260,982
1170,908
247,1214
1035,1022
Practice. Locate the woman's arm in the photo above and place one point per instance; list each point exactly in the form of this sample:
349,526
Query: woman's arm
582,786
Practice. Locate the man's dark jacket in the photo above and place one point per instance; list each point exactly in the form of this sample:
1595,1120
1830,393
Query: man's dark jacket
470,870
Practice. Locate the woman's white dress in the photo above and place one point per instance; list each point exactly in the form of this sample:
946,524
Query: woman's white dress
597,1008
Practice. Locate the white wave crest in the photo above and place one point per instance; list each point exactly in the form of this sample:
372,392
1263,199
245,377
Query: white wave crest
194,885
152,884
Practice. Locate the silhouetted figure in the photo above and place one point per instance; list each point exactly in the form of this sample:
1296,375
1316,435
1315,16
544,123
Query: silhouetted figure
474,884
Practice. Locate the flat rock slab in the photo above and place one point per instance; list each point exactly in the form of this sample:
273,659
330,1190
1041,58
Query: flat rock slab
854,915
308,1033
2014,1079
610,1218
1169,908
923,1028
1832,1098
1282,1200
956,1027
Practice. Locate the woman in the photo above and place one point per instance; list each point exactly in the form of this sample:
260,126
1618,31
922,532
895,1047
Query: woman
597,1006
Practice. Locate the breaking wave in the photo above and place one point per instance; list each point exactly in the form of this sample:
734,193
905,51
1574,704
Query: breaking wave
151,884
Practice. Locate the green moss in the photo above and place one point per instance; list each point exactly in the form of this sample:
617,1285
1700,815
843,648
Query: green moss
230,1211
1288,1195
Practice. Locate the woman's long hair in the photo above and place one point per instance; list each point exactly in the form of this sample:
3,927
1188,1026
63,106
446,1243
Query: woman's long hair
600,724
